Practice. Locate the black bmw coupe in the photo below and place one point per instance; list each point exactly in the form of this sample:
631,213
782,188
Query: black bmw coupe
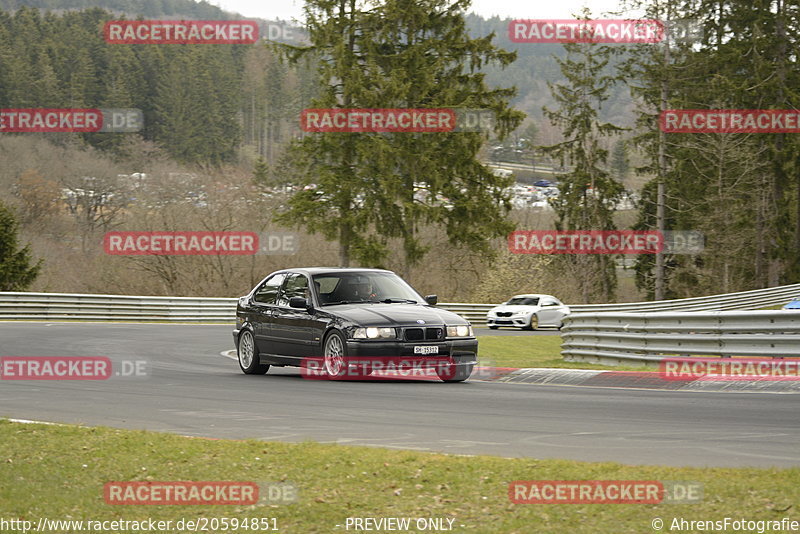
349,323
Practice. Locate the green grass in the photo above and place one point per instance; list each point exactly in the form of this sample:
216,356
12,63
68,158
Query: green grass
533,351
58,472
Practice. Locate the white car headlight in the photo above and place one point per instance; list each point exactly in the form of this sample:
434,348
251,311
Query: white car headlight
523,312
463,330
374,332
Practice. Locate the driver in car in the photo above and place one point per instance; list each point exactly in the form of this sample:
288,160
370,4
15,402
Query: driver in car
364,291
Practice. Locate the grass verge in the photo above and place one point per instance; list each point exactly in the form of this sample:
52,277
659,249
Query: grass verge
58,472
535,351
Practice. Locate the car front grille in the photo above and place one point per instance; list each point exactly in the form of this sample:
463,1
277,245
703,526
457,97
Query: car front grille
424,334
504,314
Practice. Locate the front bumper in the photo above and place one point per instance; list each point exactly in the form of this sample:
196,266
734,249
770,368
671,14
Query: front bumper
519,320
460,352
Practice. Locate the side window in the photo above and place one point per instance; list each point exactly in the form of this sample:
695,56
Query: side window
268,292
296,286
549,302
326,285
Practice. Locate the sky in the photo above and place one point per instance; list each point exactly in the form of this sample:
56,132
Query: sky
519,9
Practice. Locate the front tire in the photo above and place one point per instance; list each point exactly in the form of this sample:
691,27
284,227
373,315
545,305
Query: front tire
248,355
534,324
461,373
492,327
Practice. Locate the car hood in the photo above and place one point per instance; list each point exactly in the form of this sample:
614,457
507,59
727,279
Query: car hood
514,308
394,314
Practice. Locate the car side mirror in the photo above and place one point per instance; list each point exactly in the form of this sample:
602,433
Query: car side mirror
299,302
431,299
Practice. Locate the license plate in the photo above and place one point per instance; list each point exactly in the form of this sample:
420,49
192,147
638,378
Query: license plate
426,349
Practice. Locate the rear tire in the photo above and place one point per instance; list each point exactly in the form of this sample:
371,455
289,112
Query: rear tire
334,361
248,355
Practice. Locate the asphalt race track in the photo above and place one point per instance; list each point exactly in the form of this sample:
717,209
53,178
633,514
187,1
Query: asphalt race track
192,390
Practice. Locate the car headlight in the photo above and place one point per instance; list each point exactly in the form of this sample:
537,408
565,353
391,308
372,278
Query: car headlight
373,332
523,312
462,330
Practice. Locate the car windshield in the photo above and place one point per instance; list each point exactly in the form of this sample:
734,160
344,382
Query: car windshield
523,301
349,287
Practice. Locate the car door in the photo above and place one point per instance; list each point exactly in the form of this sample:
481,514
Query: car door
262,304
294,329
550,312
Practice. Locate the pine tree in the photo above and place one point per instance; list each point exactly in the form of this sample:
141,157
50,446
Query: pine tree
332,162
420,56
727,185
588,193
373,187
261,173
17,272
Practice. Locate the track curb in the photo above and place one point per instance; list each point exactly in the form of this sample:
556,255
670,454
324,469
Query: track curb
650,380
641,380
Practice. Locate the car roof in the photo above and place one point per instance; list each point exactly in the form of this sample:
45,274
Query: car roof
529,295
332,270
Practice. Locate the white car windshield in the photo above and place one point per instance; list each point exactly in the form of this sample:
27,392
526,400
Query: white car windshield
523,301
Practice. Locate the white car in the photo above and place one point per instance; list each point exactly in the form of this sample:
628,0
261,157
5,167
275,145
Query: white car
528,312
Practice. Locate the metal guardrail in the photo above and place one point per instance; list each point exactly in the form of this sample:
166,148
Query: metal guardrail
743,300
67,306
619,338
81,307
